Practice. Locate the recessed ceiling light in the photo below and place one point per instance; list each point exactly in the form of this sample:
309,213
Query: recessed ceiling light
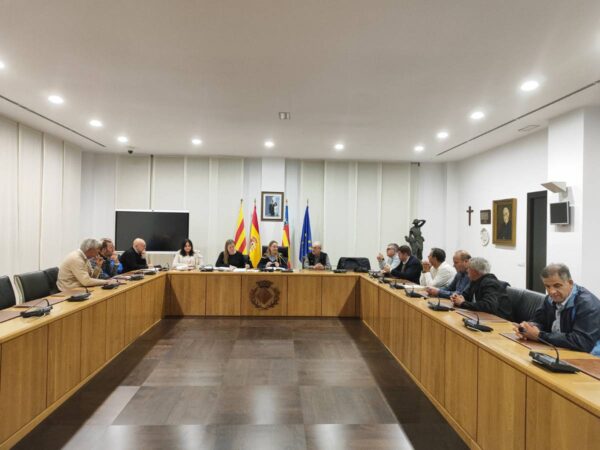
530,85
442,135
339,146
419,148
197,141
269,144
96,123
2,65
123,139
56,99
477,115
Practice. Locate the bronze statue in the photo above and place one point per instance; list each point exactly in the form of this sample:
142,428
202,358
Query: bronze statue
416,239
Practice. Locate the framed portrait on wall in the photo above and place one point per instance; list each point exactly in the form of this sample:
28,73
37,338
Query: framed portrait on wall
485,216
504,222
271,206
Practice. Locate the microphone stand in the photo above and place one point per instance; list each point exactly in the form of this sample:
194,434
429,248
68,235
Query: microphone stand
476,326
547,362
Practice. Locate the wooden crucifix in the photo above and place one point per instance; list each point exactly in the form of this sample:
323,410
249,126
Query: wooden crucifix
470,211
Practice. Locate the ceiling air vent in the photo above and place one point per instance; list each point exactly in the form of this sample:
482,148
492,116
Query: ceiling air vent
528,128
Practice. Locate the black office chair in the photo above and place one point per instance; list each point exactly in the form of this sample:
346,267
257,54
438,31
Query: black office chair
247,260
7,294
33,285
524,303
283,251
353,263
52,276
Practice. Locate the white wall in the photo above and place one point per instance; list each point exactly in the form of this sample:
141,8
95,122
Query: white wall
509,171
40,197
356,208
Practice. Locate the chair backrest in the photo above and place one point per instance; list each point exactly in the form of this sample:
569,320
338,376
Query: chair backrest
7,295
524,303
33,285
283,251
52,276
353,263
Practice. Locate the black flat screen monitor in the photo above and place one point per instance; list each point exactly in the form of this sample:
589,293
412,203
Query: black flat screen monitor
559,213
163,231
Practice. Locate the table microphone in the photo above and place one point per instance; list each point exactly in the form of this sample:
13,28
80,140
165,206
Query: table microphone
471,324
438,306
38,311
547,362
412,293
80,297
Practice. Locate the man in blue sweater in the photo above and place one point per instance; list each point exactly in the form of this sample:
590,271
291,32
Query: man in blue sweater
461,281
569,316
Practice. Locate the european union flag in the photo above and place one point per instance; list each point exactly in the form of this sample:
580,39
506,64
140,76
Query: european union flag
306,241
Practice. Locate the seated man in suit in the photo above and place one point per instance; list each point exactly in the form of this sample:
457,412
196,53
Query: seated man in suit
316,259
569,316
76,270
436,271
393,259
409,268
135,257
461,280
485,293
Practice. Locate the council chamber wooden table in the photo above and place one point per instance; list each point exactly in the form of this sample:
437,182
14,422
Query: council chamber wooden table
484,384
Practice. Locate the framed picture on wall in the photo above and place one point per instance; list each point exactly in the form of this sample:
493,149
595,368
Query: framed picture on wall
485,216
504,222
271,206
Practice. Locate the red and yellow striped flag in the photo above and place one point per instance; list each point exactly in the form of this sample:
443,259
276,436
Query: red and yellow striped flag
255,248
240,232
285,240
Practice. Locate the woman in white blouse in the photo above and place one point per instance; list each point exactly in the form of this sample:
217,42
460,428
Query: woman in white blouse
187,256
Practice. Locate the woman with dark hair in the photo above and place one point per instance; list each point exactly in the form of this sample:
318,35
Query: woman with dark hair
272,257
230,257
187,256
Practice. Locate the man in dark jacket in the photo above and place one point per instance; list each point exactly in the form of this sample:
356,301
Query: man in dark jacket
409,268
485,293
135,257
569,316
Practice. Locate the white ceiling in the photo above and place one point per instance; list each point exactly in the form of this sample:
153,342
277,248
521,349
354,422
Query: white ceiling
381,76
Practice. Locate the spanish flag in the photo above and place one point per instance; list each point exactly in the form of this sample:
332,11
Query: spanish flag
255,247
240,232
285,240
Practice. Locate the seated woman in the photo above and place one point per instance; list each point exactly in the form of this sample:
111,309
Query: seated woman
272,258
187,256
230,257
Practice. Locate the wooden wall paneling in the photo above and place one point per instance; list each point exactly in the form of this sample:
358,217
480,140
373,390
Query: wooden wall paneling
339,296
223,295
93,338
268,291
23,376
433,357
64,356
304,296
500,404
460,398
412,341
553,422
115,324
187,295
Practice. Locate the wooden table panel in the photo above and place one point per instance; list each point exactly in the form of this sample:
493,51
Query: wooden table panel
339,296
23,376
147,305
133,314
433,357
397,325
304,296
115,324
412,341
93,338
369,300
268,291
460,398
64,356
383,324
223,295
187,295
160,294
500,405
555,422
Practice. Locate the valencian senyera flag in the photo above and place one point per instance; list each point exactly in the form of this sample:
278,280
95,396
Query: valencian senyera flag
240,232
285,240
306,241
255,248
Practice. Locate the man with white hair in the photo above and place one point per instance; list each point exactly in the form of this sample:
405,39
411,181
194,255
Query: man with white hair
485,293
76,270
316,259
135,257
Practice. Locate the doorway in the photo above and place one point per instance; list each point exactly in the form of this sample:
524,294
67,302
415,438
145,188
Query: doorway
537,226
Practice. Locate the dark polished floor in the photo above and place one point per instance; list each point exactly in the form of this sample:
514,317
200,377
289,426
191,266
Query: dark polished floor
249,384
